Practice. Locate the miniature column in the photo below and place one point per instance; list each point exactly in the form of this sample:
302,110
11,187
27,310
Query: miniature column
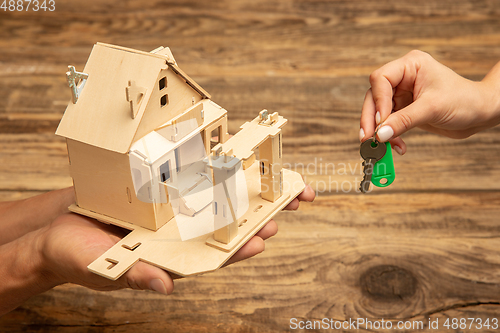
271,178
225,201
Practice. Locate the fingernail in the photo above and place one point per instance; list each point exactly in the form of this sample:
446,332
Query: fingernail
158,286
385,133
377,117
398,150
361,134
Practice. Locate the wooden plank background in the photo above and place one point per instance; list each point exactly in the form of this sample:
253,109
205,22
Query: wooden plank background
425,247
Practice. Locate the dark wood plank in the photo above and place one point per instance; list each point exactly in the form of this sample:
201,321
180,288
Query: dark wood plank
425,247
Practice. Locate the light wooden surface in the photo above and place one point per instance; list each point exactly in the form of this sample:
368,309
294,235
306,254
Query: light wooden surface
427,246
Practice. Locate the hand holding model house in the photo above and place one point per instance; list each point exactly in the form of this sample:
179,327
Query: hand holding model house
160,190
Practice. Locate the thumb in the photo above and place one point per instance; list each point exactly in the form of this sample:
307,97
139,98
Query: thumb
143,276
399,122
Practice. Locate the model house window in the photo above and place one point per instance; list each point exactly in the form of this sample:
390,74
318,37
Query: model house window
164,100
165,171
162,83
215,137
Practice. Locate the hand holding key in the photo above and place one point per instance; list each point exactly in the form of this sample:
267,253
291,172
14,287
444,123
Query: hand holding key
418,91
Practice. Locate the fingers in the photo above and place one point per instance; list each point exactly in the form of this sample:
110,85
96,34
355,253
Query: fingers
367,123
254,246
402,98
415,114
396,78
392,87
307,195
398,145
293,205
382,82
269,230
144,276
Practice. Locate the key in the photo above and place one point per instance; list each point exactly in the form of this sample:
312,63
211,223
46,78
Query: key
371,151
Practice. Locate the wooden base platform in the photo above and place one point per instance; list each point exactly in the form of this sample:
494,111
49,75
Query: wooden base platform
167,249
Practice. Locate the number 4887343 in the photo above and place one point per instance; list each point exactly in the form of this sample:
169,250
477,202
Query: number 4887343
27,5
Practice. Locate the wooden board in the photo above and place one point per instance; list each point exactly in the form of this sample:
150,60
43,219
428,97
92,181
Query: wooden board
437,224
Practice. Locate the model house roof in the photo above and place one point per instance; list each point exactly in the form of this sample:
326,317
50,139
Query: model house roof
101,117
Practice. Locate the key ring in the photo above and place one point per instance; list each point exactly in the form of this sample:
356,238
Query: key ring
375,134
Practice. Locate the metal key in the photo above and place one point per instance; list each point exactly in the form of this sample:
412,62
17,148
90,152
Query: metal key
371,151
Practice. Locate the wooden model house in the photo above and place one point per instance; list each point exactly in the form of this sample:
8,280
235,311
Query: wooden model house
149,151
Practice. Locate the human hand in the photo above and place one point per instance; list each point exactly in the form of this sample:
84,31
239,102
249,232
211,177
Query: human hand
418,91
17,218
73,241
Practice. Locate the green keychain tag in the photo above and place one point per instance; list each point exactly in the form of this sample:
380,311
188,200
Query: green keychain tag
383,172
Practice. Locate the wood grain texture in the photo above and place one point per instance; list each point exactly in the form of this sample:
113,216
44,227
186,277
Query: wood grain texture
425,247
